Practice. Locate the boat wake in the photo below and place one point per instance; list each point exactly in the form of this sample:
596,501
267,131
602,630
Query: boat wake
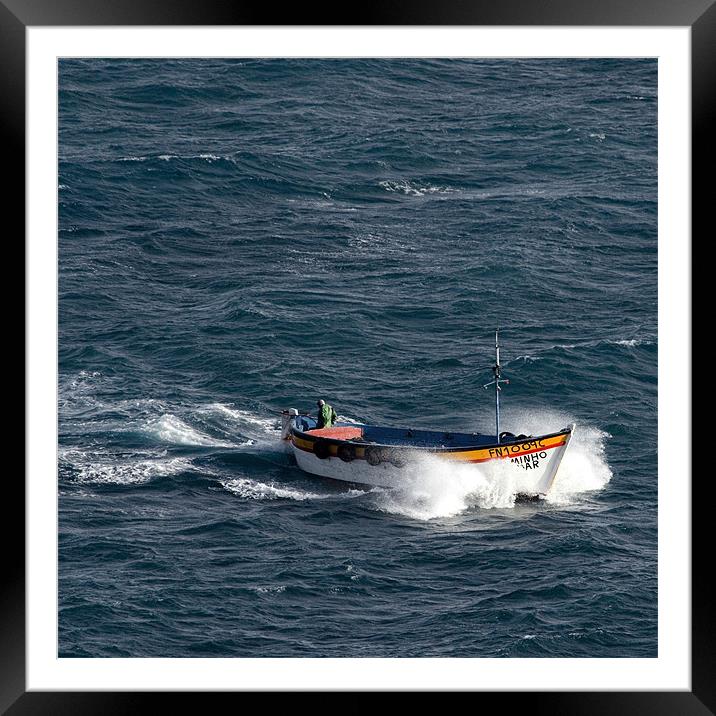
250,489
171,429
214,425
119,469
133,441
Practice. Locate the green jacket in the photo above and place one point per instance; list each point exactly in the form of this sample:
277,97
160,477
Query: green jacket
326,416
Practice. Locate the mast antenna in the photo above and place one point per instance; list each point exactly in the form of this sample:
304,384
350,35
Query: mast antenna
497,371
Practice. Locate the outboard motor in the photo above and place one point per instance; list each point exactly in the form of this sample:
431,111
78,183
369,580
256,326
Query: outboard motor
287,418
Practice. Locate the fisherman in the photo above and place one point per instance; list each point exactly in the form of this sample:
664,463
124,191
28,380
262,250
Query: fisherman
326,415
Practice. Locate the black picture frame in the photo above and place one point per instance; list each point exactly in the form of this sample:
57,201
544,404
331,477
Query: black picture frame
17,15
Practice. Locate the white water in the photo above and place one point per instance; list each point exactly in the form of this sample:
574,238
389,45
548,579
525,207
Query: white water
113,470
583,469
247,488
171,429
255,426
411,189
435,488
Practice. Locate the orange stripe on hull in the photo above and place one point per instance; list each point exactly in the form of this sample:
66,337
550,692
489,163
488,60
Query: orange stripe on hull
502,452
515,454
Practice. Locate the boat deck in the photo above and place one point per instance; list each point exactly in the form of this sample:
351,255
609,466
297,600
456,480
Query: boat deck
424,438
340,432
400,436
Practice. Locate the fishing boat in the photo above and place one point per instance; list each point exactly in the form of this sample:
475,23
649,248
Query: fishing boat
383,456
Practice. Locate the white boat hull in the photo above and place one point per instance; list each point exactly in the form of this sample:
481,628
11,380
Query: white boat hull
531,472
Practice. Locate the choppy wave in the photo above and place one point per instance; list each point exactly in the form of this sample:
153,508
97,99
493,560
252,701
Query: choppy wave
97,468
633,342
256,490
251,423
269,589
540,353
250,489
208,157
171,429
409,188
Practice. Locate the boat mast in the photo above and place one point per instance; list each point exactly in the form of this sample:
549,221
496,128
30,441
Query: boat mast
497,371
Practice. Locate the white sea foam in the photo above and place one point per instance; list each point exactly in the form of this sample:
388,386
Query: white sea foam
85,376
526,359
410,189
249,489
169,157
255,490
627,342
435,488
105,470
269,590
346,419
77,493
632,342
207,157
242,417
584,467
172,429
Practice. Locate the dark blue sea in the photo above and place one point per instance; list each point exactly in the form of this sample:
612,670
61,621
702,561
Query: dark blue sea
237,237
